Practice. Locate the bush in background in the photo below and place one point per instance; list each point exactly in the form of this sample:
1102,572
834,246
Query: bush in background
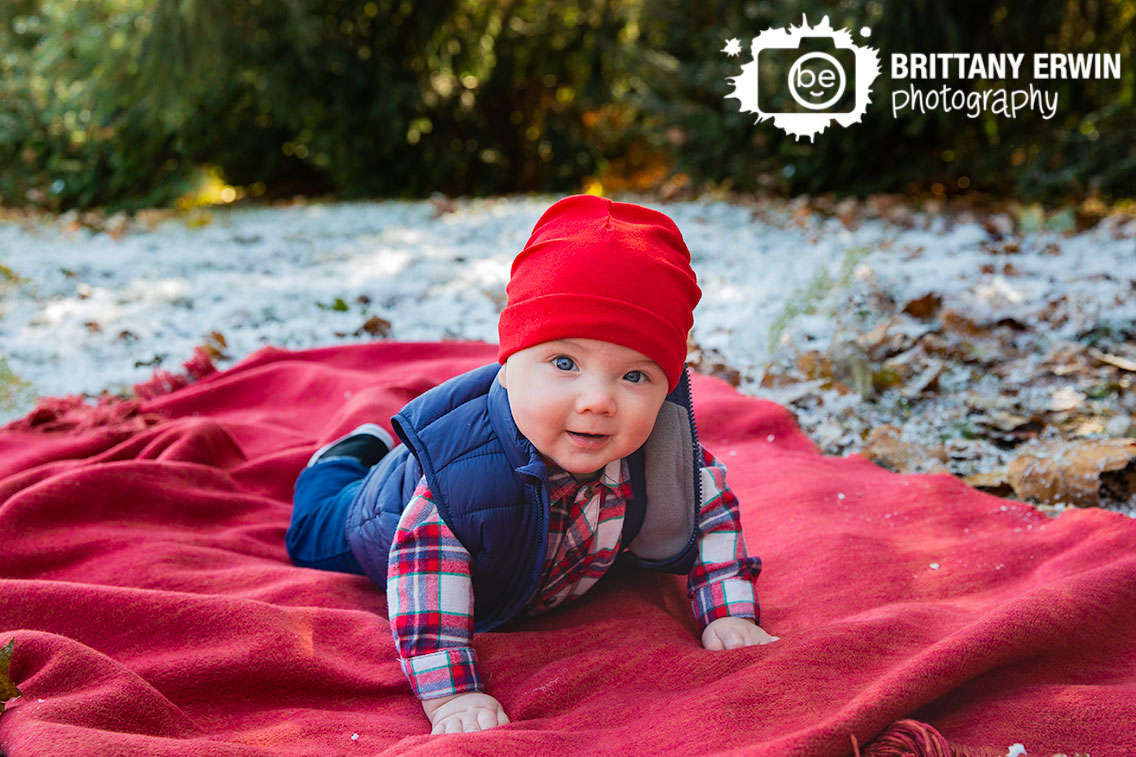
120,102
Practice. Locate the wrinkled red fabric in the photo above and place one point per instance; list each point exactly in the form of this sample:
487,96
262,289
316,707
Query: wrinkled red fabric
154,610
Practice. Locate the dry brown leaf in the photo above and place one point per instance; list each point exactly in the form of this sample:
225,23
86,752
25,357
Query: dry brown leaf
712,363
8,689
925,306
992,482
956,322
814,364
926,381
215,345
1056,312
375,326
1004,421
1083,472
884,340
886,447
1114,360
873,340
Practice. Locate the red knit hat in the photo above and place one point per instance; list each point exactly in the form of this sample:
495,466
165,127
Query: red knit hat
597,269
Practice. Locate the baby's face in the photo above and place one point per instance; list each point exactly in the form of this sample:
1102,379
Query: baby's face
583,402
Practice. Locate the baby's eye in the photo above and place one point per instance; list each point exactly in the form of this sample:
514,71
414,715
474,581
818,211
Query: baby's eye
636,377
564,363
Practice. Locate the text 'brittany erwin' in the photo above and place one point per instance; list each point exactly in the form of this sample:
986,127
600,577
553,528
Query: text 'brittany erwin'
1004,65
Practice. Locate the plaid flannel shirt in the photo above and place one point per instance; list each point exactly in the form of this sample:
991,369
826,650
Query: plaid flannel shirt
429,589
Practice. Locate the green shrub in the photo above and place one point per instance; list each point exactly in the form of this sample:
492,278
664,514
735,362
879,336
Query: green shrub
120,102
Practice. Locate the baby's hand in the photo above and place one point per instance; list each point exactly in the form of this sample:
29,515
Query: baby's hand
734,633
461,713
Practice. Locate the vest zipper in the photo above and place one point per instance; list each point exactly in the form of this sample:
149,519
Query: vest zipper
536,562
696,459
534,568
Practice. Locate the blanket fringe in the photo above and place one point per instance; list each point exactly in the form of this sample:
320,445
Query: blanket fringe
163,382
75,413
912,738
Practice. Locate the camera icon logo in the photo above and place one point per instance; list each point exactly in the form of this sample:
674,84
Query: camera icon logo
830,80
806,77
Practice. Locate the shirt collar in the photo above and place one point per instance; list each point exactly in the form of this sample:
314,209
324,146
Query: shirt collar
612,475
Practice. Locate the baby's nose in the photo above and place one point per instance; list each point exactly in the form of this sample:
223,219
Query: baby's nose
596,398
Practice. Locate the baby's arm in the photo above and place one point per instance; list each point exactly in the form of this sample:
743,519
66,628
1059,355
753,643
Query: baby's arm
721,581
430,606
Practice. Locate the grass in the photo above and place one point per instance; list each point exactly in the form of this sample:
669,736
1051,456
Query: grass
15,393
807,299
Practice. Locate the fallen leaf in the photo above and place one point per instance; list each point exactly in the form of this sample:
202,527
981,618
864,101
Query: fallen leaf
1114,360
1003,427
992,482
1004,421
1064,398
375,326
1084,472
814,365
877,343
1055,312
926,381
8,689
712,363
925,306
885,446
956,322
215,345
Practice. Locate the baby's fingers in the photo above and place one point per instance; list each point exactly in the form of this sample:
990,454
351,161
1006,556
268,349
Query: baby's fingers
464,722
467,721
486,719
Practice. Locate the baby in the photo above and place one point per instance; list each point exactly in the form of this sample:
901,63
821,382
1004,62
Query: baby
520,483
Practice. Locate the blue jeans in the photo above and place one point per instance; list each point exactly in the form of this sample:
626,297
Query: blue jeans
322,499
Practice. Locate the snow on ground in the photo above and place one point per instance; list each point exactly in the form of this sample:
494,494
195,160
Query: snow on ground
82,311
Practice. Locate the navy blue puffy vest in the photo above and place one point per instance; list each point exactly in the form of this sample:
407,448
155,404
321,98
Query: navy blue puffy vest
491,488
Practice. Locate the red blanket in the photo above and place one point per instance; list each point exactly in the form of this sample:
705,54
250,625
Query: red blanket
144,579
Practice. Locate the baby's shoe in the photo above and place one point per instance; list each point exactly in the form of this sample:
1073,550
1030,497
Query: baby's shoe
368,444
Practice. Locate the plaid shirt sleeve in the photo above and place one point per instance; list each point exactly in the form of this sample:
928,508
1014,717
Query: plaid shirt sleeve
430,602
720,583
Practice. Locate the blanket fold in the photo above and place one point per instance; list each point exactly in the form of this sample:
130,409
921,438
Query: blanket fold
144,578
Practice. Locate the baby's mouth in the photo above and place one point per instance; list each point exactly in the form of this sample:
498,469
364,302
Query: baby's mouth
591,441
